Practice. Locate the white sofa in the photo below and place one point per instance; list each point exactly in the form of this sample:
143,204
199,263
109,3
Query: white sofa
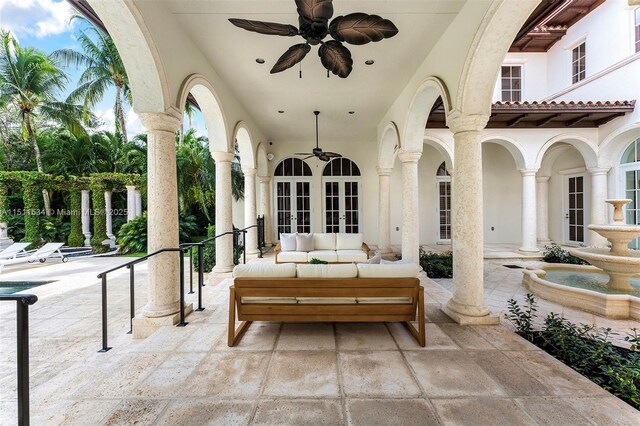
332,248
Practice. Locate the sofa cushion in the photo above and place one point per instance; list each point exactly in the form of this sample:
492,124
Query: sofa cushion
348,241
384,300
327,271
327,300
407,270
288,242
323,241
292,256
326,255
345,256
304,242
265,270
274,300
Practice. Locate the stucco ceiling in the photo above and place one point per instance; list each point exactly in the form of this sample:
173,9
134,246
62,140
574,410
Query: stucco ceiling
368,91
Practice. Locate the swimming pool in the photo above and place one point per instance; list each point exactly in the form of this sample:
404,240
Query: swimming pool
10,287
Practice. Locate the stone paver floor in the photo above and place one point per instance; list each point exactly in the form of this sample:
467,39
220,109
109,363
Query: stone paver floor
362,374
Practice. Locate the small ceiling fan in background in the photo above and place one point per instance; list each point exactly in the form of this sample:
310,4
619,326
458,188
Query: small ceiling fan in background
314,15
317,151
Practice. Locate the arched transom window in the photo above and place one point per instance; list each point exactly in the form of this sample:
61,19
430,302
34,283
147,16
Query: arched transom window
341,167
292,167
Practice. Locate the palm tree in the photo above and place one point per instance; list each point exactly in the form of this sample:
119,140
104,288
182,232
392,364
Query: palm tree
104,68
196,173
30,80
113,154
68,154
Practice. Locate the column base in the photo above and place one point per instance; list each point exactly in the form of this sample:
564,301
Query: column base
544,242
144,326
474,316
222,269
529,249
253,253
5,242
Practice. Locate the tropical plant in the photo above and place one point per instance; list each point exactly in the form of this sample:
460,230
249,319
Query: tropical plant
132,237
103,69
30,80
196,174
437,265
553,253
68,154
114,154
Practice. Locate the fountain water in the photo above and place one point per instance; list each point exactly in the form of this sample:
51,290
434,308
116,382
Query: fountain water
619,262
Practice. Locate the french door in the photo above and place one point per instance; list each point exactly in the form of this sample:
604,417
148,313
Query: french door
341,205
574,209
444,208
293,206
631,176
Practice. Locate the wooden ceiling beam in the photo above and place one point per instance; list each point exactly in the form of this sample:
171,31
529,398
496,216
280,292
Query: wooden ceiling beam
516,120
547,120
576,120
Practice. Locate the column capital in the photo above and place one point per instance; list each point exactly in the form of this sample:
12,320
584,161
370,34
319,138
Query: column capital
598,170
409,156
528,172
264,179
459,122
222,156
160,121
249,171
543,179
130,187
383,171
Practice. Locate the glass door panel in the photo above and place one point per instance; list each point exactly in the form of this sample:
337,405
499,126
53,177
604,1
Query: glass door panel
632,192
303,207
444,209
283,205
575,215
351,219
332,207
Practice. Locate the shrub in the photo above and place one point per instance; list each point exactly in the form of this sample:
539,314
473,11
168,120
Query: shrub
584,348
76,237
209,251
132,237
553,253
54,229
188,228
16,227
316,261
437,265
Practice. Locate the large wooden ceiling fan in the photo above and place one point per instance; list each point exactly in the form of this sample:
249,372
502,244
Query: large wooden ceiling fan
317,151
314,15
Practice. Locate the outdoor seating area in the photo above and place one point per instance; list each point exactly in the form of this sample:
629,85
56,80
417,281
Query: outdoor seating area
47,251
325,247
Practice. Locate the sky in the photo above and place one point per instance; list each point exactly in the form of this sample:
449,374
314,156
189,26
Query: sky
45,25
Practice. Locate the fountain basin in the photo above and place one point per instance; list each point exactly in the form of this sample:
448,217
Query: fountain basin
583,287
620,267
619,236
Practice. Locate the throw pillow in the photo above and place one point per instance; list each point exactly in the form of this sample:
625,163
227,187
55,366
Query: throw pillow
288,242
304,242
376,259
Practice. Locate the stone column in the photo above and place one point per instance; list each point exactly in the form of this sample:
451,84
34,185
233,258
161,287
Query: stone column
250,211
529,224
384,210
265,207
86,216
137,196
108,218
410,196
224,214
5,241
131,203
467,306
542,203
163,300
598,205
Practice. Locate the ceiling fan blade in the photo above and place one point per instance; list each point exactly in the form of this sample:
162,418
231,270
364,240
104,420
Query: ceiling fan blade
361,28
303,153
332,154
295,54
323,157
270,28
336,58
315,10
306,158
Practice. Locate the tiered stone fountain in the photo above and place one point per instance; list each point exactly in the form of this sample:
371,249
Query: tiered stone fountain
619,262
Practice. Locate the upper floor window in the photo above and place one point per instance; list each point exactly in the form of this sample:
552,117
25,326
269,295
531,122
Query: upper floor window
632,153
578,63
637,27
511,83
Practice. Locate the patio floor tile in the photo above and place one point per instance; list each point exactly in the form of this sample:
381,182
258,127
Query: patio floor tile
298,412
207,412
550,411
302,374
436,338
364,336
259,337
480,411
465,337
504,339
606,410
136,411
309,336
400,412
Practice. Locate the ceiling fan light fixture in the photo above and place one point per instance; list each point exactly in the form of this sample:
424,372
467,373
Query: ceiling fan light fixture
369,62
352,112
260,61
281,111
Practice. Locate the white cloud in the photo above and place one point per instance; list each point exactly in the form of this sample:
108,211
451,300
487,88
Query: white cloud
35,17
108,122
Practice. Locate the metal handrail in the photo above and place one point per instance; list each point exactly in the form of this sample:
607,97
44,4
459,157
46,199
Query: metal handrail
22,324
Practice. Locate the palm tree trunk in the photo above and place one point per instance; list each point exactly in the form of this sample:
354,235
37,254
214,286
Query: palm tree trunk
181,134
36,151
120,118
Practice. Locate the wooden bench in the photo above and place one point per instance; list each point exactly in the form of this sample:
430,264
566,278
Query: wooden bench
392,310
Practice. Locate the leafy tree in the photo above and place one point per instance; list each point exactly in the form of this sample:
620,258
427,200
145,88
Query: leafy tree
30,80
114,154
103,68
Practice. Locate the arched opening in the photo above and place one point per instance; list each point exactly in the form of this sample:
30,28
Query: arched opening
341,191
292,198
630,174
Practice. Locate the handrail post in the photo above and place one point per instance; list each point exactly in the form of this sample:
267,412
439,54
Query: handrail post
22,319
200,275
105,347
132,297
190,269
182,323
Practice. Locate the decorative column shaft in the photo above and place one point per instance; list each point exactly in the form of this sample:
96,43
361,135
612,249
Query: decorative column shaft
265,207
131,203
384,210
86,216
410,196
224,213
162,226
529,224
598,204
138,203
467,306
542,203
108,218
250,211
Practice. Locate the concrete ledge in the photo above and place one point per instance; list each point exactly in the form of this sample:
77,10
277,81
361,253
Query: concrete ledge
144,327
